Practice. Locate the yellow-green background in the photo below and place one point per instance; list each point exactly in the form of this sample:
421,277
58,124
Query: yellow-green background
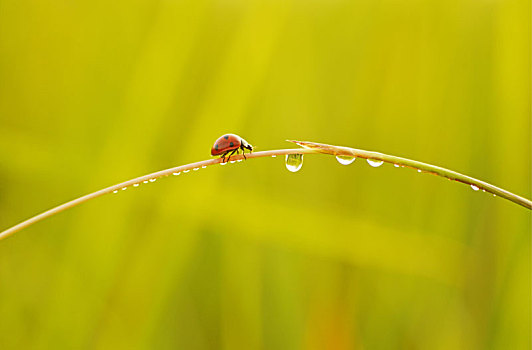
250,256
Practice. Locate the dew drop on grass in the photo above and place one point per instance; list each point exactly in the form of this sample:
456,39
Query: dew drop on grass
418,170
203,167
186,171
375,163
176,174
153,180
274,156
345,160
294,162
195,169
115,191
232,161
239,160
145,181
475,188
124,188
223,163
396,165
135,185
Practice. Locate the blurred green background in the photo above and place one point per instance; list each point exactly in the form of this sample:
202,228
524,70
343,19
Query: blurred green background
251,256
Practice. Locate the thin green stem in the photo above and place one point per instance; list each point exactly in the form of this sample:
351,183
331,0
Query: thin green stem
309,147
423,167
139,180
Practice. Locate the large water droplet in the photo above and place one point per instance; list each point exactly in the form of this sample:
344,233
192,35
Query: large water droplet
374,162
475,188
345,160
294,162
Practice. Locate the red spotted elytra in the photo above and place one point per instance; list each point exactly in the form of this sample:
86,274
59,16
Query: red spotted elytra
229,144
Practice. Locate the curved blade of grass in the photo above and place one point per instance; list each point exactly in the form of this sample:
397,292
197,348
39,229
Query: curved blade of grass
309,147
141,179
424,167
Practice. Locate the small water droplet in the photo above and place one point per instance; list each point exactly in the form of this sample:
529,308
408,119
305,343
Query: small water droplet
374,163
494,195
483,190
203,167
273,156
418,170
145,181
176,173
223,163
396,165
195,169
153,180
345,160
294,162
135,185
115,191
232,161
124,188
186,171
475,188
239,160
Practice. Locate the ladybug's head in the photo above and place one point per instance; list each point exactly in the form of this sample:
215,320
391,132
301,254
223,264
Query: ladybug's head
246,146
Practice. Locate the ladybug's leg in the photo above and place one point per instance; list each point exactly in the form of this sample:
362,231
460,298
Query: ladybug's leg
223,156
243,152
231,154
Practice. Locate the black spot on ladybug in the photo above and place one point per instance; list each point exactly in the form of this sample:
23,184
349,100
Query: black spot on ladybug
216,147
226,137
231,144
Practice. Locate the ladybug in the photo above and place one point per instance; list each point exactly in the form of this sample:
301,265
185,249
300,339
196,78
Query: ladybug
229,144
